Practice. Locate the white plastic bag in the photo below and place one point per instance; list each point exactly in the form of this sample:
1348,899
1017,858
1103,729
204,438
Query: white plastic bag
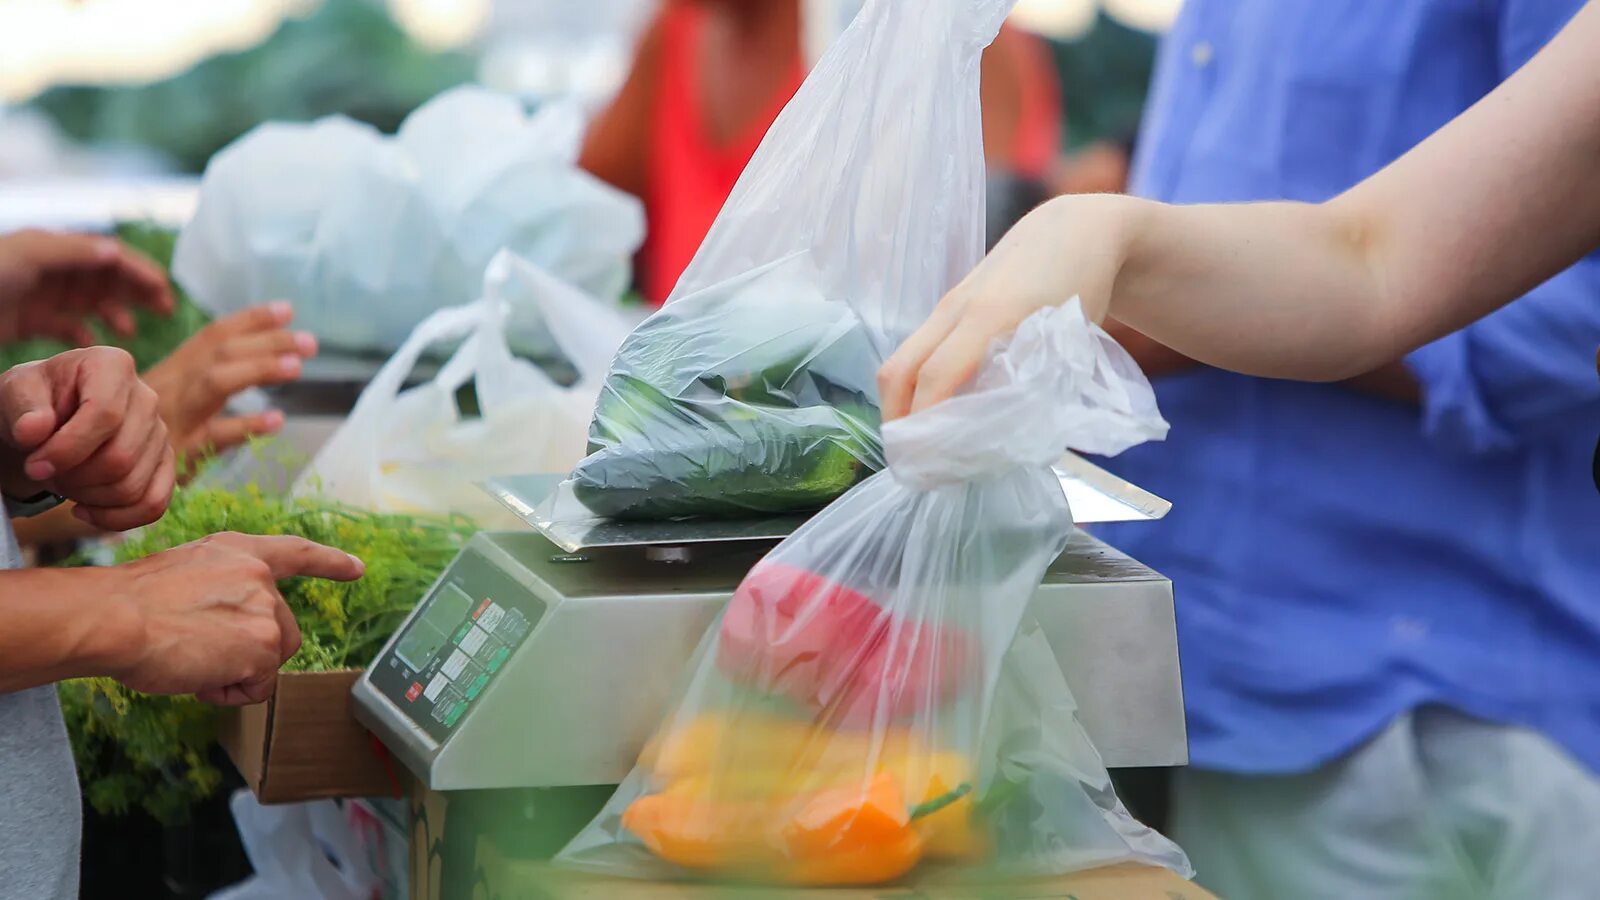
368,234
412,450
300,851
876,701
753,390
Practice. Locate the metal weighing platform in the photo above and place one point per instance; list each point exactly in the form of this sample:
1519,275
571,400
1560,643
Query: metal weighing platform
545,658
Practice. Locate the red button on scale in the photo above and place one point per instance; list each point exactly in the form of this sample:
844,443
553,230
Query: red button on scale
481,607
414,692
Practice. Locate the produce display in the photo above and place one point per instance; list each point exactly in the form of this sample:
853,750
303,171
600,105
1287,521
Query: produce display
153,753
752,398
155,335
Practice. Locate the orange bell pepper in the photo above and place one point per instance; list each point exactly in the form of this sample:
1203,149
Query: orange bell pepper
848,834
691,827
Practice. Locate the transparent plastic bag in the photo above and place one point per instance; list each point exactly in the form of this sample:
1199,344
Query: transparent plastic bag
368,234
753,390
412,450
876,701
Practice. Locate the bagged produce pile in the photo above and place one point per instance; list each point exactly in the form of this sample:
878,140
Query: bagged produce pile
875,702
368,234
753,390
416,451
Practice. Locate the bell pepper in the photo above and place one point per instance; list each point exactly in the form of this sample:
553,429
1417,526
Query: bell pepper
690,826
851,835
755,794
794,632
718,742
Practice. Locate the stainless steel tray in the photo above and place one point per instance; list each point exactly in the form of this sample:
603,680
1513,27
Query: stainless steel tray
546,503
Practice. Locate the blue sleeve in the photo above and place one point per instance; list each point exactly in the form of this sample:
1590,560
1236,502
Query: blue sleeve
1528,368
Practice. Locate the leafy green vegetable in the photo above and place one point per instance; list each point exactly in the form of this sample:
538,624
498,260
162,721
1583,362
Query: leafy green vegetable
135,750
779,439
155,336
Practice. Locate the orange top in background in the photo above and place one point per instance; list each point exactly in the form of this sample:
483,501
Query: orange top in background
690,174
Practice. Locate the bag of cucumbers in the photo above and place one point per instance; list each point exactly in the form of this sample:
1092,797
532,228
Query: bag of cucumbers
753,391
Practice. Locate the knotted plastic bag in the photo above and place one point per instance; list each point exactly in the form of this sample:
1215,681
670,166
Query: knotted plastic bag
753,391
413,450
876,701
368,234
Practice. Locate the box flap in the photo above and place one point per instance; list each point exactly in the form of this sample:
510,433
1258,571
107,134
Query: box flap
242,732
304,743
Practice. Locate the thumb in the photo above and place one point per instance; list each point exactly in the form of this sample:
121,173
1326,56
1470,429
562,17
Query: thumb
27,407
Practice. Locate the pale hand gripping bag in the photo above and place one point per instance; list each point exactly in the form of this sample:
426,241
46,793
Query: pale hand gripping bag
412,450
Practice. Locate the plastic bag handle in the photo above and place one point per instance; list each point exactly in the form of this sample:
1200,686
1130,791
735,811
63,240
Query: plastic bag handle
444,325
586,333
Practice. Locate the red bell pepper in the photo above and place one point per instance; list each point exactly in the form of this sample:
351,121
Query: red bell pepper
793,632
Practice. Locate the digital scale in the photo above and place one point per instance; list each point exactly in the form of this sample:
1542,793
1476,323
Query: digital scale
546,658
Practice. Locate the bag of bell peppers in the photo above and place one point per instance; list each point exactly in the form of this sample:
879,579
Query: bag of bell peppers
875,703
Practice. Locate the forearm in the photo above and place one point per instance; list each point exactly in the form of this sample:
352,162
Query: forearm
58,624
1493,204
1273,289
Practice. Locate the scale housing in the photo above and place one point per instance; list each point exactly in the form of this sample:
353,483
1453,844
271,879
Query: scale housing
546,658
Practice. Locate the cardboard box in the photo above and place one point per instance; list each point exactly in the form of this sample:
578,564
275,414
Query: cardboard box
456,860
304,744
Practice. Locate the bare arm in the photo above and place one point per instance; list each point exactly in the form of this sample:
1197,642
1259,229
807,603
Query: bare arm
60,623
618,143
1487,208
203,618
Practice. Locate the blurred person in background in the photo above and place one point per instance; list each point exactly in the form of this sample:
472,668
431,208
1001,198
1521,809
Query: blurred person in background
204,618
709,77
1389,607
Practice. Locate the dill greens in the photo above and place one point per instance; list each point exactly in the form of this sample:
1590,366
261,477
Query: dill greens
154,753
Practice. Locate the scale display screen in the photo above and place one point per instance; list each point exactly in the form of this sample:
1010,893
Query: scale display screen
432,629
460,638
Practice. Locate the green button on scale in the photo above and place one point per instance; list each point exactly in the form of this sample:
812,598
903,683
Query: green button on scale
454,715
477,686
499,659
461,633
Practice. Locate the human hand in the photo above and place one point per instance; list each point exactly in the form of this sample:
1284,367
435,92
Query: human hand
82,425
250,348
207,619
51,284
1070,246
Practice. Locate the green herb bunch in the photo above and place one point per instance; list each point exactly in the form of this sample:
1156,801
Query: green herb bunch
155,336
139,751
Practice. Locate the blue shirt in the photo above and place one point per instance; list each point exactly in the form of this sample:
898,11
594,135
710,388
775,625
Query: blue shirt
1339,558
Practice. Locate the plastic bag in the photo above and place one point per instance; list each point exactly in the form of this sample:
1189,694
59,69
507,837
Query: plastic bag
305,851
413,450
875,699
369,234
753,390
